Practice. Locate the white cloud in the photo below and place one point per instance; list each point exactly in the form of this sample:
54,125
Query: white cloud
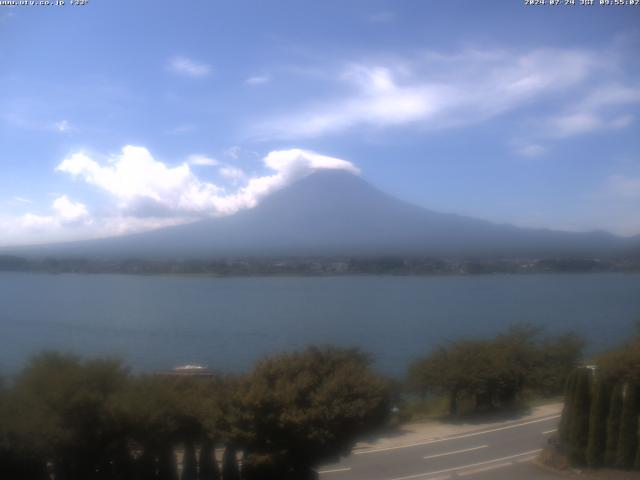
146,187
436,91
598,111
70,213
574,123
624,186
202,160
149,194
530,150
22,200
233,152
232,173
62,126
66,213
188,67
258,80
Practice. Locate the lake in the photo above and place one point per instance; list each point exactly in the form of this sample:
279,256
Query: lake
158,322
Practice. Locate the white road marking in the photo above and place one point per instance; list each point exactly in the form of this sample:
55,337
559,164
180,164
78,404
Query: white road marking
547,432
335,470
467,435
455,451
471,465
484,469
526,459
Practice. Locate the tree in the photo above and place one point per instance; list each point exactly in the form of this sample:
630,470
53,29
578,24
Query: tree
495,372
63,409
579,427
567,411
437,374
230,469
613,425
598,423
628,440
558,357
189,463
309,407
208,463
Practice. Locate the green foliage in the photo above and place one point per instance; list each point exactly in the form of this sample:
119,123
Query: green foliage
579,426
628,440
311,406
62,408
495,372
613,424
598,423
567,411
622,364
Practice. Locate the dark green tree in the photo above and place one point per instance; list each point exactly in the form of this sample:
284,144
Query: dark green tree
230,470
579,427
564,430
310,407
63,409
208,464
628,440
598,423
613,425
189,462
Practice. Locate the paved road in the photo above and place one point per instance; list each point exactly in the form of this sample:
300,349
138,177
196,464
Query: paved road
503,452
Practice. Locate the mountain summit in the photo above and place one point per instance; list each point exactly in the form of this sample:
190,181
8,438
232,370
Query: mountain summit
332,212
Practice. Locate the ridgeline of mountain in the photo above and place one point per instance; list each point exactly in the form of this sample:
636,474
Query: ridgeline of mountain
335,213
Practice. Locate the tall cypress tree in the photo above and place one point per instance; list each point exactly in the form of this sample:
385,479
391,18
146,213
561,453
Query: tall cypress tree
579,428
613,425
567,411
628,439
189,463
208,464
167,469
598,423
230,470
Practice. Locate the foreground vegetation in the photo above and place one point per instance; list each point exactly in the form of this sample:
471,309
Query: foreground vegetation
488,374
601,418
92,419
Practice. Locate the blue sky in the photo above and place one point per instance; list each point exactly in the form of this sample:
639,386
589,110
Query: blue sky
121,116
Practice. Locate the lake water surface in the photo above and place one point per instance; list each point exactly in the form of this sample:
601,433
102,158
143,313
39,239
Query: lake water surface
226,323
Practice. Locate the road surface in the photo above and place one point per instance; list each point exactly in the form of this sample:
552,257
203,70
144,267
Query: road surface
499,452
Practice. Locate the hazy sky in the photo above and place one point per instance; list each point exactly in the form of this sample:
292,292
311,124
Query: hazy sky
122,115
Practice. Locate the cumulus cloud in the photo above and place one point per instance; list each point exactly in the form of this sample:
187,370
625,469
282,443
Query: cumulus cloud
65,213
70,213
146,187
150,194
188,67
436,90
